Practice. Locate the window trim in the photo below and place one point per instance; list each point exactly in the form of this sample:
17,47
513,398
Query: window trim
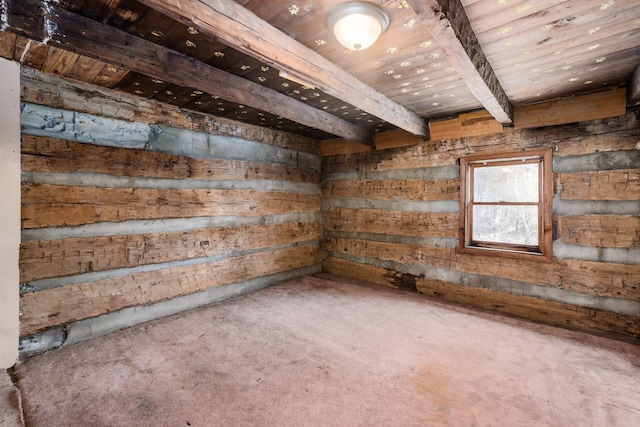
542,252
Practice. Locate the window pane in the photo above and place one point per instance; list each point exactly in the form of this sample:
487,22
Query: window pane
508,183
506,224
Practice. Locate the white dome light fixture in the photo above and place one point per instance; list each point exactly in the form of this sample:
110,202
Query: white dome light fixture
357,24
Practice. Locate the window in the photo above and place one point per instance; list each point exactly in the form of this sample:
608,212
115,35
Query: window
505,204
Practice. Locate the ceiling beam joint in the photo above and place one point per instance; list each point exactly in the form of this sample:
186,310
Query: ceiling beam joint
449,25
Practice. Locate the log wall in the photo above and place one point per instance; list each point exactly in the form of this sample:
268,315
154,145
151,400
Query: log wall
391,217
134,209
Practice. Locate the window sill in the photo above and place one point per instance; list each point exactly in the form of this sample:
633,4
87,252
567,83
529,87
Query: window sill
501,253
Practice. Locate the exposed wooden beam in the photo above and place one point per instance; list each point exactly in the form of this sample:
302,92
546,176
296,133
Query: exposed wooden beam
450,27
237,27
633,88
594,106
59,27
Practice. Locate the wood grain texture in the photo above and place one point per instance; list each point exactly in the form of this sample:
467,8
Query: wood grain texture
608,231
465,125
397,138
620,184
409,189
423,224
333,147
58,306
550,312
576,109
45,205
65,257
46,154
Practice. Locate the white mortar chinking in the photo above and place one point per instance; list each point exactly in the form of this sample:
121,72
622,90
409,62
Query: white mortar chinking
4,16
50,27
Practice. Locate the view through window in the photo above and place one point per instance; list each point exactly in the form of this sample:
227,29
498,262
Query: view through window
506,202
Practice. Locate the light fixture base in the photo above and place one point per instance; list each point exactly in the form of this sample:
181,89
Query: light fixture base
357,24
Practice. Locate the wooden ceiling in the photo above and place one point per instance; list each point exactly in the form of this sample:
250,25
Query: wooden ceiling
438,58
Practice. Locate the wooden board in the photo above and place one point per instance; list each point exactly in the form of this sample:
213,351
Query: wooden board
340,146
577,109
397,138
465,125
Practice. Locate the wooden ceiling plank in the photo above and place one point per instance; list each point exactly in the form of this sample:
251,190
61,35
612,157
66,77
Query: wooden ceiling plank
244,31
85,69
59,62
87,37
30,53
450,27
539,43
109,76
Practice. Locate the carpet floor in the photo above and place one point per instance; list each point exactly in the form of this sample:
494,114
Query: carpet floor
324,351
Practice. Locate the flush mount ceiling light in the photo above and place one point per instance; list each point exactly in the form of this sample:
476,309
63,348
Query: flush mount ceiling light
357,24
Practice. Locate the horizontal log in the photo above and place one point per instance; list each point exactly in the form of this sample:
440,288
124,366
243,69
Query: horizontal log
45,205
409,189
619,184
609,231
45,154
65,257
587,277
423,224
62,305
549,312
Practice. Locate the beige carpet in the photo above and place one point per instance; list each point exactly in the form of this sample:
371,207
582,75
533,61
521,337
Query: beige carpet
320,352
